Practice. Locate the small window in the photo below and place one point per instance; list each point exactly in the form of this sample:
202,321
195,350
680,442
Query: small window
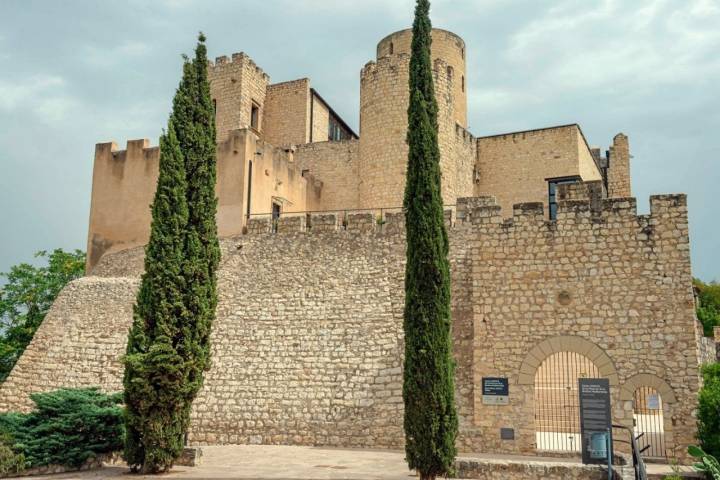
463,83
450,72
462,53
392,48
215,106
255,116
276,210
552,193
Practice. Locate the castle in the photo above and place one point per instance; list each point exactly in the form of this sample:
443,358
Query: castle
555,276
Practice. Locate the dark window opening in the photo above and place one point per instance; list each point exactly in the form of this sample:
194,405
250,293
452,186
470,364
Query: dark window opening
215,106
255,116
462,53
336,131
450,72
392,48
553,185
275,216
463,83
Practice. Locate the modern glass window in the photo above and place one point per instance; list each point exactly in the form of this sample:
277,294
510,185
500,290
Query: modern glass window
553,185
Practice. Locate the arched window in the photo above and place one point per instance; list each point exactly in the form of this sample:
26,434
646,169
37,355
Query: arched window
648,421
557,404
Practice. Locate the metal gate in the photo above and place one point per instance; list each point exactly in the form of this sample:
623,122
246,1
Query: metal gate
648,422
557,405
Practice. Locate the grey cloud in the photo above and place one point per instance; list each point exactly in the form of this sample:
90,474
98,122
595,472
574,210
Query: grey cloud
648,68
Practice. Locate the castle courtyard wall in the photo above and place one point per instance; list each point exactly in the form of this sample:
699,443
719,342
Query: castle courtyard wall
307,346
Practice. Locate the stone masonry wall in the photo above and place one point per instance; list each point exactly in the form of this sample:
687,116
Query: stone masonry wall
307,348
287,113
619,167
515,167
336,165
235,83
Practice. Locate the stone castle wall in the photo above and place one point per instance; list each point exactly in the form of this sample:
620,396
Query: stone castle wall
336,163
307,348
287,113
124,183
235,83
619,167
515,167
383,131
446,46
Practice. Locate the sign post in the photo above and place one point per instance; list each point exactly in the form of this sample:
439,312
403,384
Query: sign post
596,422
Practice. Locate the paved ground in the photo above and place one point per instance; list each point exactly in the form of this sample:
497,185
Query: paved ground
293,463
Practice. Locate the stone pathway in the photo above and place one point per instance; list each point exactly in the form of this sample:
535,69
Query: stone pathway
291,463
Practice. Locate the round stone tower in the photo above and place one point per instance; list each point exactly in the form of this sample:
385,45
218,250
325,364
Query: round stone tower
383,115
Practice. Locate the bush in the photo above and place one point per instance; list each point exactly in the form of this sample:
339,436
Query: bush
68,427
709,410
10,461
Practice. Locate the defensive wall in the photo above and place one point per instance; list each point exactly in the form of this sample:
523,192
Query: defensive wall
124,183
307,346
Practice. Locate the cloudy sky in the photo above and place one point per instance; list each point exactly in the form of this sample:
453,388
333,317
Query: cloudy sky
77,72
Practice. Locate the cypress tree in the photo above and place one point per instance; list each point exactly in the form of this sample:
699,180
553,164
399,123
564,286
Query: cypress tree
428,388
201,246
154,368
168,346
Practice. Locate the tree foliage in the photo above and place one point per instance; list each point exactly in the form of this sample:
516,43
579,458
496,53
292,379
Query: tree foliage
67,427
428,388
708,311
709,410
168,346
26,297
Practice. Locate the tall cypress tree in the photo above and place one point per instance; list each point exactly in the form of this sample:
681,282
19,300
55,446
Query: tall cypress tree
154,368
168,346
428,389
202,249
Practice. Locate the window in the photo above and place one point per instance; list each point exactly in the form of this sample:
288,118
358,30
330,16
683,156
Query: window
462,53
450,72
553,185
392,48
275,216
255,116
336,132
463,83
215,106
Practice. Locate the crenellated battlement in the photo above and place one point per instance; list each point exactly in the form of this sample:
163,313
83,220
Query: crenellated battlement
239,59
388,63
139,148
614,216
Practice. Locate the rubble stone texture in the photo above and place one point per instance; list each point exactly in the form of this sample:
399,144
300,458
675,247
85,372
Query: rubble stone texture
308,339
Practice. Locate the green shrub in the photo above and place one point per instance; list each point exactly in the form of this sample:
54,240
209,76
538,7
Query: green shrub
10,460
709,410
707,463
68,427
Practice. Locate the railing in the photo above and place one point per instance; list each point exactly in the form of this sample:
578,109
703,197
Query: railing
342,213
638,463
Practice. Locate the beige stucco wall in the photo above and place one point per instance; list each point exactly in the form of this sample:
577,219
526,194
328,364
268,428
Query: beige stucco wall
124,183
515,167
